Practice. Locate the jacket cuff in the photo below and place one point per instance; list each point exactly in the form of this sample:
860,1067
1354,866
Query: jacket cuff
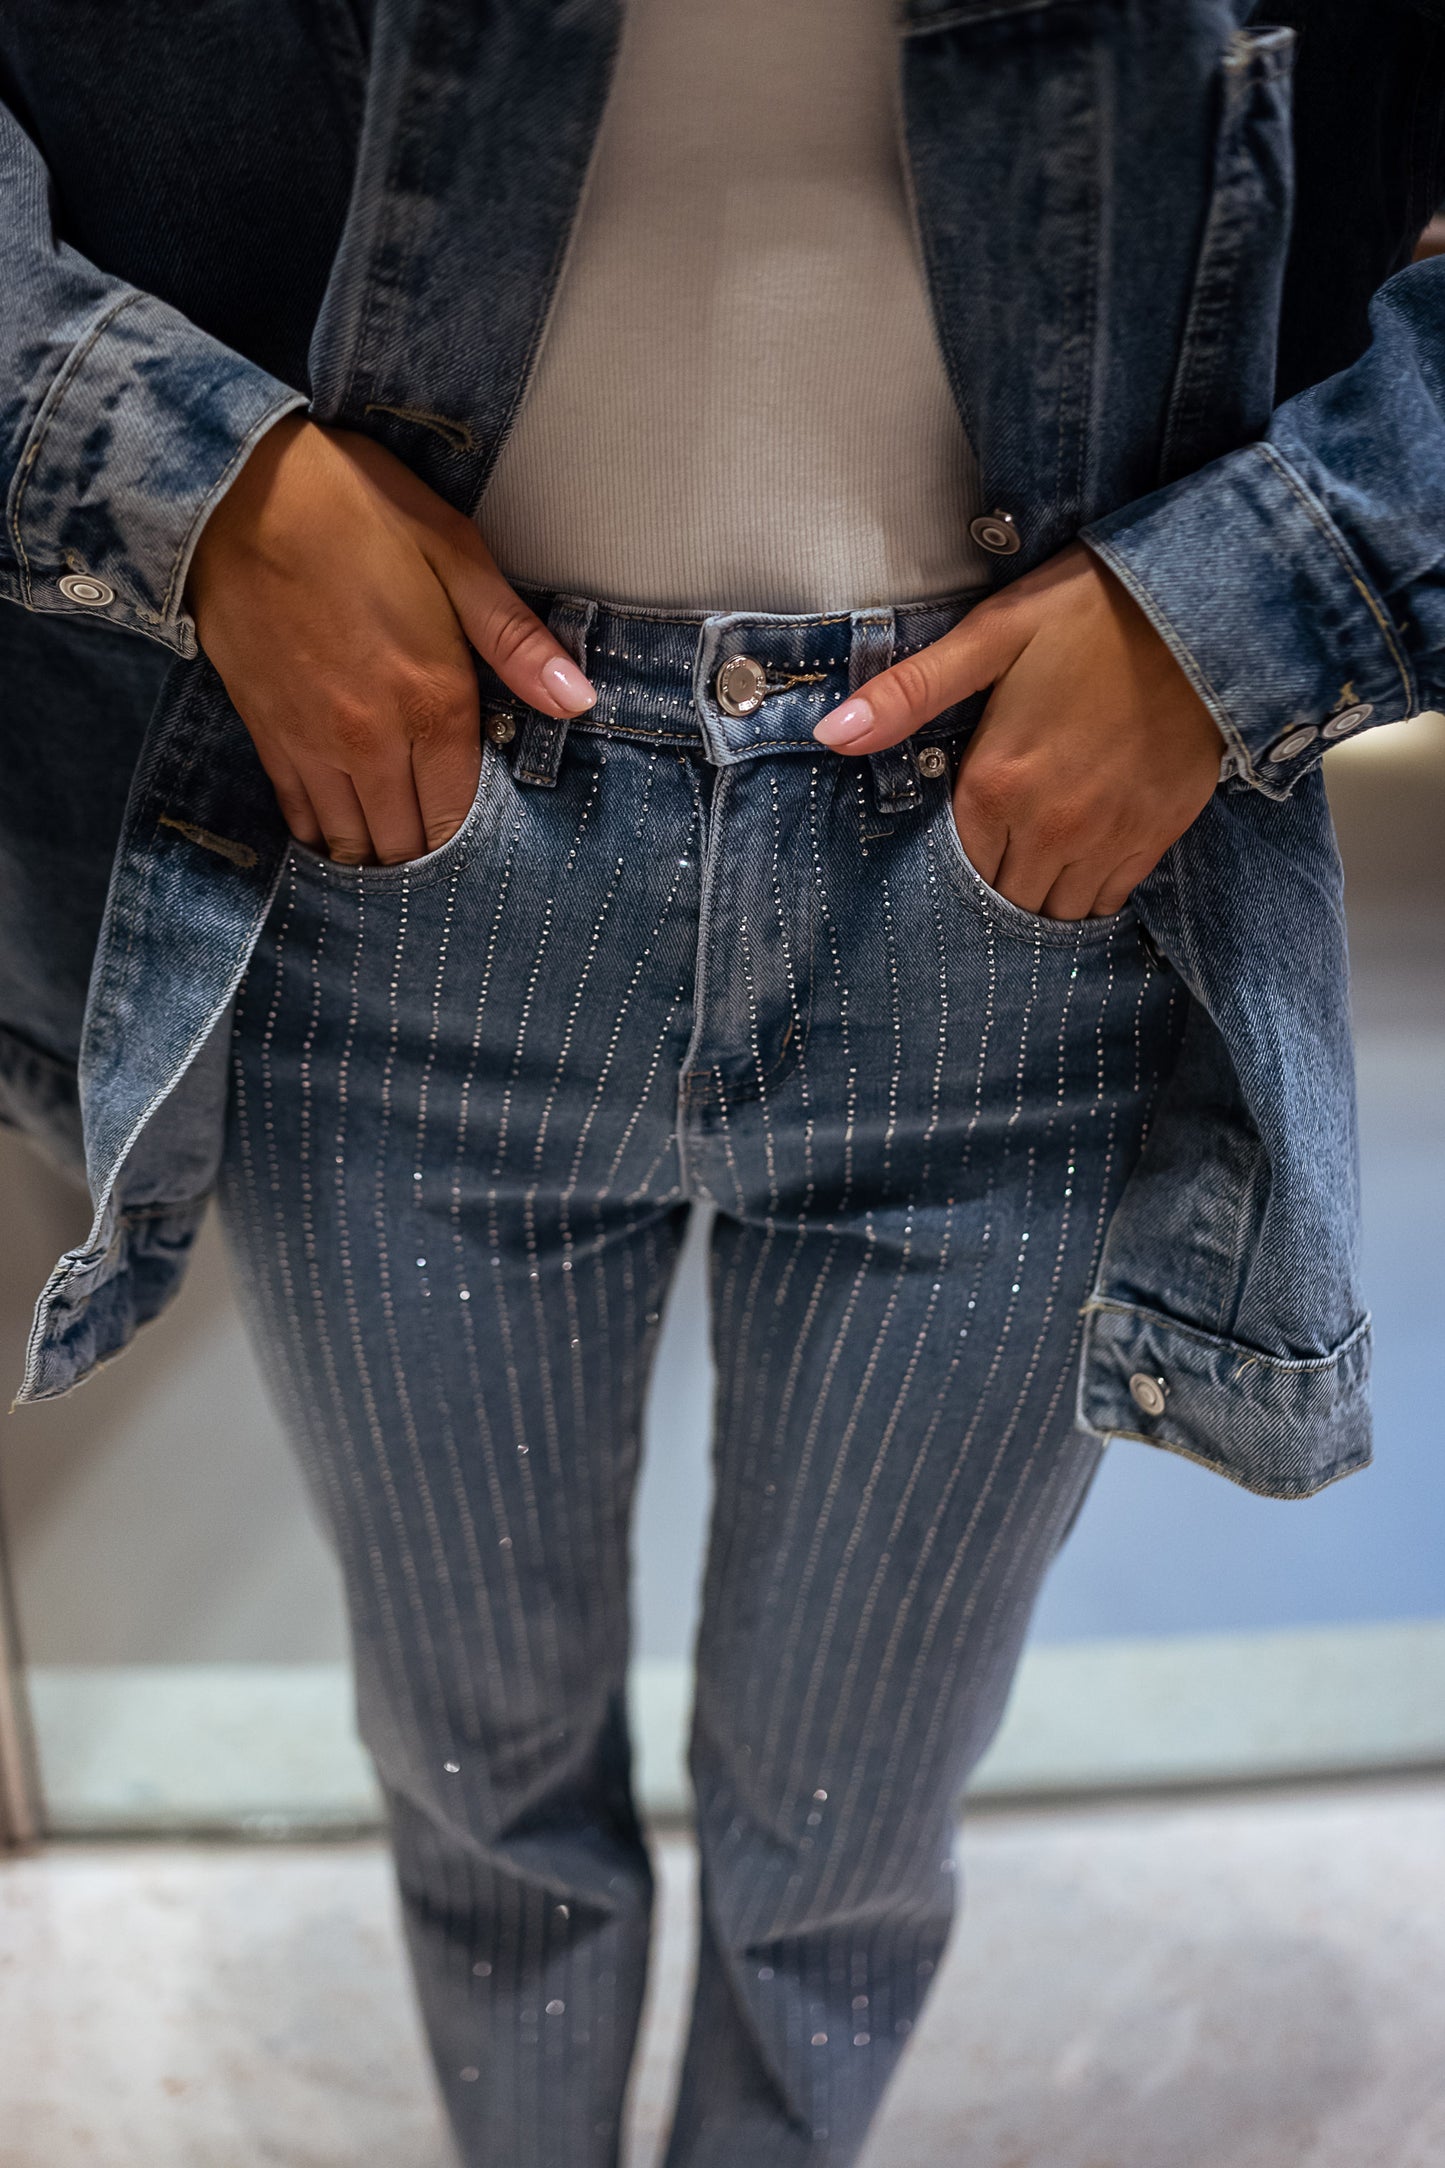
1283,1428
1272,617
147,424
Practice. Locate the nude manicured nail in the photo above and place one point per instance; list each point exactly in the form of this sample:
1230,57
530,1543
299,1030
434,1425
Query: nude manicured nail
845,726
568,687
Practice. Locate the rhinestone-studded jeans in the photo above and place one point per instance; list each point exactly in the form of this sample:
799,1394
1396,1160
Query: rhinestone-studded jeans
675,954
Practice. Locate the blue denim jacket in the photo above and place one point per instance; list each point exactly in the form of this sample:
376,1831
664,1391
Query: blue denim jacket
1168,253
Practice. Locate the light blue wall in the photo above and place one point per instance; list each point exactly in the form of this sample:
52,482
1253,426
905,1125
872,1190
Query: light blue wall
1162,1547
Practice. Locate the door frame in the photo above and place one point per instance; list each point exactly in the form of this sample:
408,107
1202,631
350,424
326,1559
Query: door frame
21,1818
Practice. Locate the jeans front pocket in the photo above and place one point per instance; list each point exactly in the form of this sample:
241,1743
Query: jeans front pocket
431,863
965,878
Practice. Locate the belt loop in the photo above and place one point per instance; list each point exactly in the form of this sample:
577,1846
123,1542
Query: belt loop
896,788
539,747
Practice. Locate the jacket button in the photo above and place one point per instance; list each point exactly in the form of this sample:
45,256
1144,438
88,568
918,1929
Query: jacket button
1148,1393
78,587
995,531
1348,719
1293,741
740,686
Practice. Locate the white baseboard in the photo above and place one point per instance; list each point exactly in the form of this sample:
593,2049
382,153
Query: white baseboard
269,1750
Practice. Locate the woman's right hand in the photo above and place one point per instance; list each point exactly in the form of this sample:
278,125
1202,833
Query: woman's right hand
337,596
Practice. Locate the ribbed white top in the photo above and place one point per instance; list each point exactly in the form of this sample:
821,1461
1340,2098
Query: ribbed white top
740,401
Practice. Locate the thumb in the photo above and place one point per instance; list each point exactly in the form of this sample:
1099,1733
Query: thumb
891,706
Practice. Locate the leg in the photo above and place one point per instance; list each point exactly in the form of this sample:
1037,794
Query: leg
452,1196
861,1632
911,1216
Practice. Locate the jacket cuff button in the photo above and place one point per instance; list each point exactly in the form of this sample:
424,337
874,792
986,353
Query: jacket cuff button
1293,741
1348,719
1148,1393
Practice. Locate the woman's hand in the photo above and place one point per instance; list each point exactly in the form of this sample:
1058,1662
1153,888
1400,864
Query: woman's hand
1094,752
336,595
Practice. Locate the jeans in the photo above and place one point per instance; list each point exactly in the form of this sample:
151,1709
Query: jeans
675,954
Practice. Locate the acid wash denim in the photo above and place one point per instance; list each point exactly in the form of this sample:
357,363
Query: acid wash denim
1177,310
688,958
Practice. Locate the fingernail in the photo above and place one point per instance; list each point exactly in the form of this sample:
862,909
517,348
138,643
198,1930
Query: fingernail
845,726
568,687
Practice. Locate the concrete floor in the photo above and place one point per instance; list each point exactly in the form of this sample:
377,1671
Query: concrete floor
1246,1982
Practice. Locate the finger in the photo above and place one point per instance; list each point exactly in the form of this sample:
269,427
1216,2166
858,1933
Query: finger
345,833
1076,892
1025,874
1115,892
445,775
891,706
386,789
440,718
525,655
292,797
984,840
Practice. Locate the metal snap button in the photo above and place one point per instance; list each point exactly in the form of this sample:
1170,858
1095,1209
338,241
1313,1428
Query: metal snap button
1293,741
740,686
501,729
1348,719
1148,1393
932,760
995,531
79,587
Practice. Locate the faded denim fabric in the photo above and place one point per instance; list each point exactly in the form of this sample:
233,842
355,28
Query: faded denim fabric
473,1099
1125,220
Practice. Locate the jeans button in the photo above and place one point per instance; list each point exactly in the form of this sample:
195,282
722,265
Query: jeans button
740,685
932,760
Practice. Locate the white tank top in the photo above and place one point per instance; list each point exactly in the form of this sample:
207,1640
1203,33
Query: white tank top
739,401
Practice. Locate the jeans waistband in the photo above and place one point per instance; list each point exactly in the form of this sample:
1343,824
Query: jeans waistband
733,685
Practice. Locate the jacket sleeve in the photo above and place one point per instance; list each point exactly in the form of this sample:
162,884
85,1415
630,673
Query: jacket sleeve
1300,581
121,424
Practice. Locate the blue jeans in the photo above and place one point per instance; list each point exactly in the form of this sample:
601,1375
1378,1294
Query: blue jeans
682,953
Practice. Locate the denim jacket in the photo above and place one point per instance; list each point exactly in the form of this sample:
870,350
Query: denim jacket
1168,254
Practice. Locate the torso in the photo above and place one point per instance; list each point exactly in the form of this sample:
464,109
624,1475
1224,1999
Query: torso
740,402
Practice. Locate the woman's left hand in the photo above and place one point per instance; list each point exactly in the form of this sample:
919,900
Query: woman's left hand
1093,755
